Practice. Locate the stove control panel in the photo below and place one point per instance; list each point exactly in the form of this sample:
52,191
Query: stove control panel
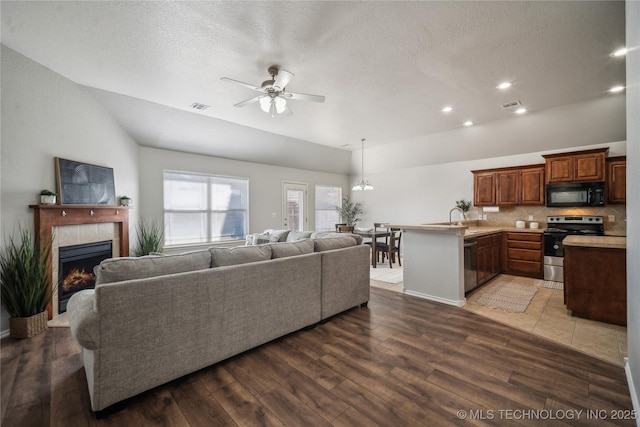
585,219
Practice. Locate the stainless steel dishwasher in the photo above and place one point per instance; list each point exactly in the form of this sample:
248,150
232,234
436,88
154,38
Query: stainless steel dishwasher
470,264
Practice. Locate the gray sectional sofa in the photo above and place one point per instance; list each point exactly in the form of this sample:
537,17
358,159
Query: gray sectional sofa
152,319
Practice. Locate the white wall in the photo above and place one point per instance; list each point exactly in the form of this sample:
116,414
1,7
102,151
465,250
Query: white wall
265,183
633,198
45,115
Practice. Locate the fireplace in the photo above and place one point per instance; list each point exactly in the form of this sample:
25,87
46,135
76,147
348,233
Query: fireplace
75,270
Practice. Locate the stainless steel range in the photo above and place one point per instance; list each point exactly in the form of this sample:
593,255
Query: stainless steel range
559,227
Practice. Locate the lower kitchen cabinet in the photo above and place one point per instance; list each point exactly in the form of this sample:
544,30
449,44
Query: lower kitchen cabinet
524,254
595,283
489,258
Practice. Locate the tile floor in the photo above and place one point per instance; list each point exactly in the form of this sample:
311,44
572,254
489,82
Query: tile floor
546,316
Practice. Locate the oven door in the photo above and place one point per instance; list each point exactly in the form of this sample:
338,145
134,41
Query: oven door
553,256
553,244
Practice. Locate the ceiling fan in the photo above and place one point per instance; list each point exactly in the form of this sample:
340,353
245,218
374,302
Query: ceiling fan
274,98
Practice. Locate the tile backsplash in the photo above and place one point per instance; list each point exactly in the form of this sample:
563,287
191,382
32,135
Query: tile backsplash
508,215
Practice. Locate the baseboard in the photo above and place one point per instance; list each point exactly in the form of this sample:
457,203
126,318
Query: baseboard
4,334
456,303
632,390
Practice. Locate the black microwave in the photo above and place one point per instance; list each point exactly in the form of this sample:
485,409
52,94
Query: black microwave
575,194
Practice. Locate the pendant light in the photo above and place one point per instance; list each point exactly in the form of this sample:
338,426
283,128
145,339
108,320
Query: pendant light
362,185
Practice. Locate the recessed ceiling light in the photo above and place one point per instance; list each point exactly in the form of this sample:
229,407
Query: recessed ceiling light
447,109
346,145
620,52
468,123
521,110
616,89
504,85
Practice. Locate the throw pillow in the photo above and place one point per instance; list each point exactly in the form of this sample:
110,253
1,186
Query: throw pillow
239,255
287,249
298,235
282,234
261,239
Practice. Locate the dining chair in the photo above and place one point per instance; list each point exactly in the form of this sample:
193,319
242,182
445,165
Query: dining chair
381,228
338,226
345,228
390,249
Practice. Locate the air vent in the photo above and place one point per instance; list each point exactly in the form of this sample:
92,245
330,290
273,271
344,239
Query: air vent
511,104
198,106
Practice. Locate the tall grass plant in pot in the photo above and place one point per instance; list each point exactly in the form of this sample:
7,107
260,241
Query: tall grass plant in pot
150,238
26,285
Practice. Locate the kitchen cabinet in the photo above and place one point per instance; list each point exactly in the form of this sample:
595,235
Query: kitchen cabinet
520,185
532,185
579,166
484,184
617,180
523,254
595,283
489,261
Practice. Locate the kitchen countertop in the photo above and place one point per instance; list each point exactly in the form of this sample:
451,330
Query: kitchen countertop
613,242
472,230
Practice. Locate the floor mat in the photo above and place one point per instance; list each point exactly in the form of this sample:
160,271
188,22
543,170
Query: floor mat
509,297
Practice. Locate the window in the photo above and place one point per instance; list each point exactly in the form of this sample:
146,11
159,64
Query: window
204,208
327,198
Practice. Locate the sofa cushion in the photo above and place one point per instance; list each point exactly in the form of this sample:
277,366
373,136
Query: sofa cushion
294,236
239,255
331,234
282,234
129,268
330,243
287,249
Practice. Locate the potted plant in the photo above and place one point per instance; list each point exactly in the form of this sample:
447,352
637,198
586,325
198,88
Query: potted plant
150,238
26,285
464,206
349,211
125,201
48,197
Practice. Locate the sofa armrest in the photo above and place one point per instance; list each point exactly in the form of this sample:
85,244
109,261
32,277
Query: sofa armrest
83,319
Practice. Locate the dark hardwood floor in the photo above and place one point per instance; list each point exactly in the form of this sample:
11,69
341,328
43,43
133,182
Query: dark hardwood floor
402,361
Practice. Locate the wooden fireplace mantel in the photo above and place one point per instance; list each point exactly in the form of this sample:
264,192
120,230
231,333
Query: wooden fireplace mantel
48,216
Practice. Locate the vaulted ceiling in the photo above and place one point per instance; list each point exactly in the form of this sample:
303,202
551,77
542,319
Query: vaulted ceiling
386,68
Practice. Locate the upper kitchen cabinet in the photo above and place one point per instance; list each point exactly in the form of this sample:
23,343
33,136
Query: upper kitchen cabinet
532,185
588,165
521,185
484,188
617,180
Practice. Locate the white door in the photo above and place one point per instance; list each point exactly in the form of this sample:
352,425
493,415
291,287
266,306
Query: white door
294,199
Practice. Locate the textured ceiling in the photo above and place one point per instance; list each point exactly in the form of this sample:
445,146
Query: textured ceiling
386,68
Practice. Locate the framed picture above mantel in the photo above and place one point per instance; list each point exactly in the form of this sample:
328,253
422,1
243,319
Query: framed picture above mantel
84,184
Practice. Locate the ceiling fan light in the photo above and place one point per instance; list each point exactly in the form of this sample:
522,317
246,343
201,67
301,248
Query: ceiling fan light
281,104
265,104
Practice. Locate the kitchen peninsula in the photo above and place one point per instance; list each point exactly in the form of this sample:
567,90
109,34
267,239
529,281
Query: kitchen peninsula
433,262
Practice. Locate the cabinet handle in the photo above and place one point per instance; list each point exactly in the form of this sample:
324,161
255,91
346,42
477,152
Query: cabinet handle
63,213
91,213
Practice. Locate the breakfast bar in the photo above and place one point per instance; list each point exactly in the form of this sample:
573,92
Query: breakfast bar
433,262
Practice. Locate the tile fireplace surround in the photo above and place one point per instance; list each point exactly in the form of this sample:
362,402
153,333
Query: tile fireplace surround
77,224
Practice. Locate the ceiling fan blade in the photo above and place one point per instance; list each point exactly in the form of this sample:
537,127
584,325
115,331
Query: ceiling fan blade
282,79
303,97
287,112
247,102
247,85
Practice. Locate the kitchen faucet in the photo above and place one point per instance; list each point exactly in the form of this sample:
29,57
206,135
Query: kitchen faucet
455,209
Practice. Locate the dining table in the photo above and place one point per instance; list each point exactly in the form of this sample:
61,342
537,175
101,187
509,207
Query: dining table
374,235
